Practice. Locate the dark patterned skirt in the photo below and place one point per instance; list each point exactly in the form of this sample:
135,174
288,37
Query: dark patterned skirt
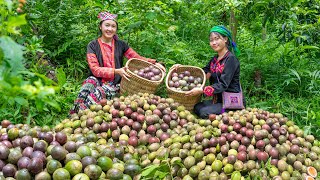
91,92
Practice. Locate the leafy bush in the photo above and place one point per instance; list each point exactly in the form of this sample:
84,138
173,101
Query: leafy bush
25,96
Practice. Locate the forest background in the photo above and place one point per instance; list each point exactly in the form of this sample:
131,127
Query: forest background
43,46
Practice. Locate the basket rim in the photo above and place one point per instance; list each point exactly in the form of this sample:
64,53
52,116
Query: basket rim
184,66
133,74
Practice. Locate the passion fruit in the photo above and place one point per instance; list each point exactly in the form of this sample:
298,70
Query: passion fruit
87,161
217,165
9,170
26,141
282,165
132,169
74,167
93,171
262,156
61,174
312,171
35,166
53,165
23,162
189,162
194,171
14,156
58,152
105,163
81,176
228,168
13,133
23,174
5,123
4,152
43,176
83,151
114,174
61,138
40,146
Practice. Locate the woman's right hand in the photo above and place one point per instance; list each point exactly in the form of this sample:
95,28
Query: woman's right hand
194,92
122,72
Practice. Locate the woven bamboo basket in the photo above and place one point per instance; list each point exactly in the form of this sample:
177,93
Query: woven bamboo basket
180,96
135,83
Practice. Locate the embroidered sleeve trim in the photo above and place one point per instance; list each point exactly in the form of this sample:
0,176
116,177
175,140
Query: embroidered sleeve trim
208,91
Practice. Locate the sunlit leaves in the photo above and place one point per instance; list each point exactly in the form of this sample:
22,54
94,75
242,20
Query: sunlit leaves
14,22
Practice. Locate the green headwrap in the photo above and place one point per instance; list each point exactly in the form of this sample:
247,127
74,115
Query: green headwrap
225,32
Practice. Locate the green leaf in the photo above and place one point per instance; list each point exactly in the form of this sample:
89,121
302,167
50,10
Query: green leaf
160,174
133,26
16,21
307,130
151,16
13,54
39,104
149,170
22,101
16,112
98,4
62,48
296,74
5,85
61,76
170,62
178,162
309,47
28,119
164,168
54,104
43,77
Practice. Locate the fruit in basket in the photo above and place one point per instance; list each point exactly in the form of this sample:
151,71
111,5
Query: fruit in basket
184,81
151,73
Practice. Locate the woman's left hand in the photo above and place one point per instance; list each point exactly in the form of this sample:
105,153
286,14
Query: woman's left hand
195,91
161,67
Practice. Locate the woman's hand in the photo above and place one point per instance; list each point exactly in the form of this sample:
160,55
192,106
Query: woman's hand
122,72
208,75
160,66
194,92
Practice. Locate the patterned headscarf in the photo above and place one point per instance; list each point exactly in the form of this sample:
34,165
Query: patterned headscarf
107,16
225,32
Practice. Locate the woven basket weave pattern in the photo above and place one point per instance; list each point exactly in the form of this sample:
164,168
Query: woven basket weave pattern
180,96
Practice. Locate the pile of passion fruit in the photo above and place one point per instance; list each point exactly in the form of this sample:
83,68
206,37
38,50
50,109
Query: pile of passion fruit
123,137
184,81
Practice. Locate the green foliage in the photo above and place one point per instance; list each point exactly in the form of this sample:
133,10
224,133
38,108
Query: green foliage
24,94
160,171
